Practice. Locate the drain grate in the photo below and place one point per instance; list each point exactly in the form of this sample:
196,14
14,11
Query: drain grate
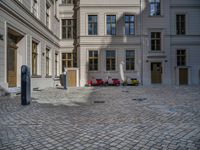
99,102
139,99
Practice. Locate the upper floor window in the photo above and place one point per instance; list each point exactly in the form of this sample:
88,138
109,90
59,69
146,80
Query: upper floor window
129,24
180,24
156,41
111,24
34,58
93,60
67,1
92,25
55,8
35,7
110,60
130,59
181,57
67,28
155,8
48,15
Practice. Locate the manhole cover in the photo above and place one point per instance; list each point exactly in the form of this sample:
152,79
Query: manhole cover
98,102
125,91
139,99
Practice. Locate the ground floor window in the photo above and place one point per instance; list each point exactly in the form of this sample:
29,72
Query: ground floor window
130,60
34,58
93,60
47,61
56,64
67,60
110,60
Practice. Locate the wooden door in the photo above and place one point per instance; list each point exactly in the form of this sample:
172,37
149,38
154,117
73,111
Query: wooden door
71,78
12,65
183,76
156,72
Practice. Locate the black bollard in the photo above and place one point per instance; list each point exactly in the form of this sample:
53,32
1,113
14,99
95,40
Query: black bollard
25,85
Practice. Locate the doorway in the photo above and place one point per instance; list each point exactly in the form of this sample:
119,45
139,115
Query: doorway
156,72
12,65
183,76
12,41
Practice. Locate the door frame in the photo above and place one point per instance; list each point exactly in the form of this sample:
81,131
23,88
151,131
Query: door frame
161,75
14,46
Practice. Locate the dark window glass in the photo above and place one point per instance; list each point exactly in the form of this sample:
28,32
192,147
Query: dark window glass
129,24
92,25
180,24
130,60
110,60
67,28
155,41
111,24
154,7
181,57
93,60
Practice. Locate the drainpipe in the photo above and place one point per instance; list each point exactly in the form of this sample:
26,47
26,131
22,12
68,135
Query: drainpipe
141,43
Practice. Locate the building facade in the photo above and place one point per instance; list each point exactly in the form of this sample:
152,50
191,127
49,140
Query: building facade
30,36
157,41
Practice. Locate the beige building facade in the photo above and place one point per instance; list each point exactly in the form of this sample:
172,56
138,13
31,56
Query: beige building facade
157,41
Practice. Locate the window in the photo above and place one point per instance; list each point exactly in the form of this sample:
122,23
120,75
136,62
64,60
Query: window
55,8
56,64
111,24
92,25
130,60
93,60
180,24
48,15
34,58
156,41
181,57
67,28
110,60
155,8
67,1
67,60
129,24
47,61
35,7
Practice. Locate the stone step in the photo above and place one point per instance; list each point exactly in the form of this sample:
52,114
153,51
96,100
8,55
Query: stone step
3,92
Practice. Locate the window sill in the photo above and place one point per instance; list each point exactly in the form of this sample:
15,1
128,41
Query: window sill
48,76
36,76
157,52
67,39
111,71
130,71
158,16
93,71
66,4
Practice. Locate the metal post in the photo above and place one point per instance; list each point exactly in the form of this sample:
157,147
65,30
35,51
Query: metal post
65,79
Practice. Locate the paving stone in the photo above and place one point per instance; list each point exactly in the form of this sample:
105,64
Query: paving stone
168,118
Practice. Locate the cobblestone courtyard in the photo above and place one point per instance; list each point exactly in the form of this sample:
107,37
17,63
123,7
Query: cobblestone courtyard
103,118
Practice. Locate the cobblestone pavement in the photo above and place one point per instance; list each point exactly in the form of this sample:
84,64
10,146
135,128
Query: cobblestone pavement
125,118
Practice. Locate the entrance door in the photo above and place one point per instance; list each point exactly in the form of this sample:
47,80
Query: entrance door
71,75
156,72
12,65
183,76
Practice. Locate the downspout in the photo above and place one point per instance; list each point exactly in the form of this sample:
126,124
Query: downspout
141,43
